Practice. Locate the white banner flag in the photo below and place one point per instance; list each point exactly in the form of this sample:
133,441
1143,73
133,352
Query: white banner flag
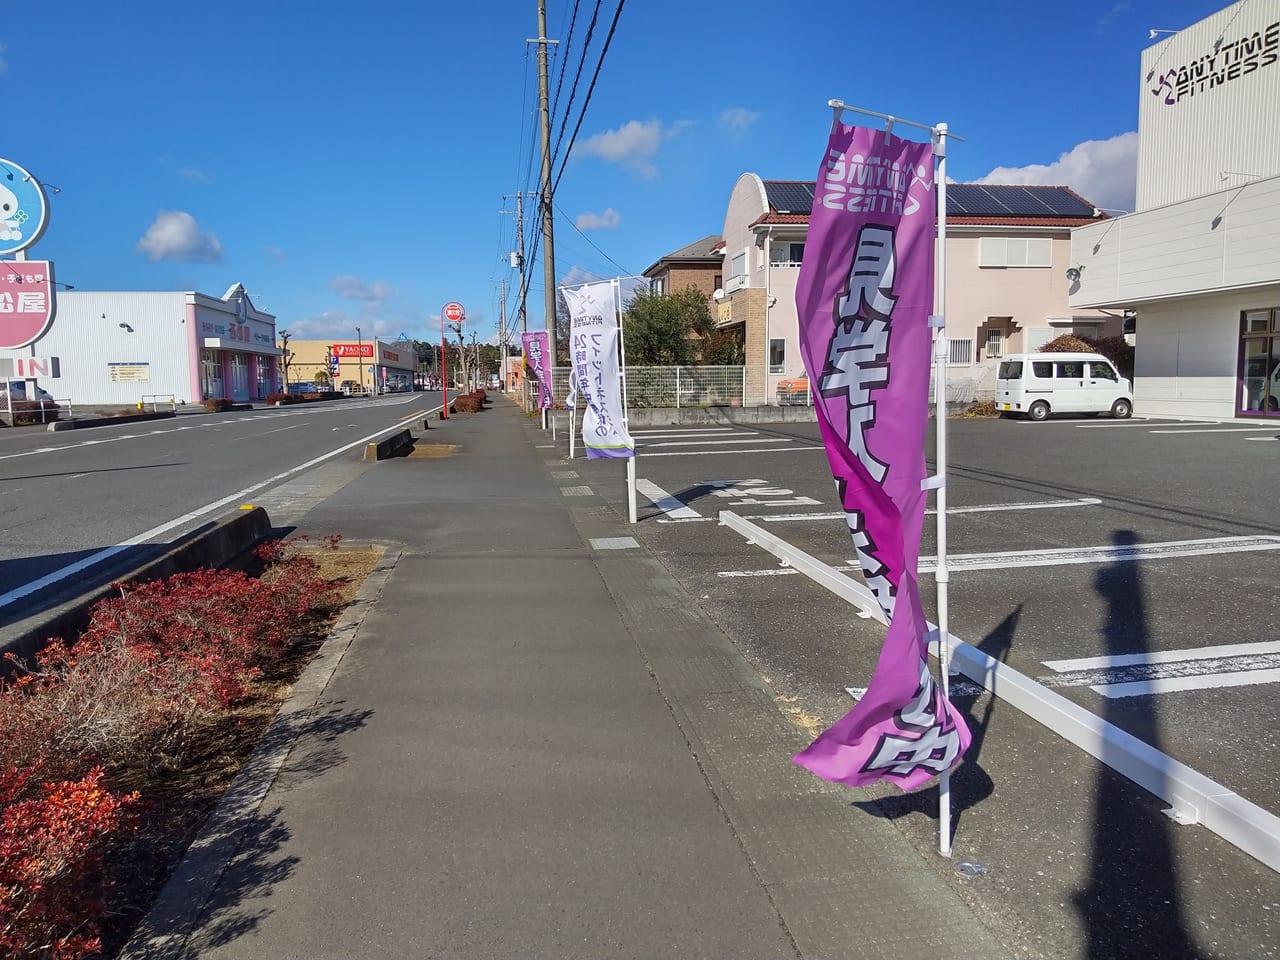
593,351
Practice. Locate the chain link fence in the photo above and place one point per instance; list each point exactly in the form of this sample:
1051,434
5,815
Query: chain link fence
649,387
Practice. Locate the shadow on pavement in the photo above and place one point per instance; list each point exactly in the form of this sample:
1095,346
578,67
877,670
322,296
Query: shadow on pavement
1131,906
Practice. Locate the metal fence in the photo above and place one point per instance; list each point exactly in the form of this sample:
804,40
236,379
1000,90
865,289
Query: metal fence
662,387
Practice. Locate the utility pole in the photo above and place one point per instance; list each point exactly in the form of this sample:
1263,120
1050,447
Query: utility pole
548,241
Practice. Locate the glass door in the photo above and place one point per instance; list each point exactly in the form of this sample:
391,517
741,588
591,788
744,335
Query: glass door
1259,381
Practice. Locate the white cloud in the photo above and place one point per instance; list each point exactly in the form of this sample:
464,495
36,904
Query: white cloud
578,275
1108,20
175,235
737,120
3,64
194,175
633,145
276,254
353,288
1104,172
604,221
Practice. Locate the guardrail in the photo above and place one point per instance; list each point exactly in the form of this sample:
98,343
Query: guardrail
157,398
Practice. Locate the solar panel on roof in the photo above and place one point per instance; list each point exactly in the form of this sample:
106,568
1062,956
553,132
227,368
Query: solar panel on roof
787,197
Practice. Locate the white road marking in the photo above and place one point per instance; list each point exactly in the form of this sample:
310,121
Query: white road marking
695,443
976,508
711,431
1164,656
704,453
71,569
614,543
771,572
668,504
1109,553
1258,429
1170,671
1263,439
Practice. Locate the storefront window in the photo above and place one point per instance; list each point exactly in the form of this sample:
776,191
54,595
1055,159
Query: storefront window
211,375
239,376
1260,363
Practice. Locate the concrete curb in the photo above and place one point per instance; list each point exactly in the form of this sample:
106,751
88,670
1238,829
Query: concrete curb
395,445
59,425
222,542
163,933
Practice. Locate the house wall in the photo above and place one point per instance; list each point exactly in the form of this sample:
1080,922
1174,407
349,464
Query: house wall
1188,353
702,278
747,204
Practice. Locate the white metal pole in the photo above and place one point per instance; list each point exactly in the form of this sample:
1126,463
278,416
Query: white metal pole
573,429
940,350
622,372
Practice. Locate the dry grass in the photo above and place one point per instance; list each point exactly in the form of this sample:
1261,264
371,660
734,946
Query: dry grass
178,802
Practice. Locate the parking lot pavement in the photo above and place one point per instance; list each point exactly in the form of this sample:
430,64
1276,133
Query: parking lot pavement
1127,564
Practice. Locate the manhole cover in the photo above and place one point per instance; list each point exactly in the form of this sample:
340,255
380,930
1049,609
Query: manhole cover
433,450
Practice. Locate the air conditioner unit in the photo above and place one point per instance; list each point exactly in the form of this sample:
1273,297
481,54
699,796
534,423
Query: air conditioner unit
735,283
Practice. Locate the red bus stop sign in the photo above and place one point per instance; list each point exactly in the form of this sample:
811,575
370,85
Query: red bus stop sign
453,312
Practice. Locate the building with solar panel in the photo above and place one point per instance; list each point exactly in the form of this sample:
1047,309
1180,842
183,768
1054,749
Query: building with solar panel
1008,248
1198,261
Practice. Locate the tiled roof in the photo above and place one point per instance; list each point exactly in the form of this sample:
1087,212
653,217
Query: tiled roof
709,249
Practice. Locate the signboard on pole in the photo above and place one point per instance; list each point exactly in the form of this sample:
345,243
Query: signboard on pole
26,301
453,312
353,349
537,359
593,351
864,297
24,210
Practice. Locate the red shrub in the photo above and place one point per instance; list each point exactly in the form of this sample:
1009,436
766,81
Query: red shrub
51,847
217,404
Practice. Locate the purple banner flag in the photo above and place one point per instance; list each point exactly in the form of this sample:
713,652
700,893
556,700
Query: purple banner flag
536,359
864,296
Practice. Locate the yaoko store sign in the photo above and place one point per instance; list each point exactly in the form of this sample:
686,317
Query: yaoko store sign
353,349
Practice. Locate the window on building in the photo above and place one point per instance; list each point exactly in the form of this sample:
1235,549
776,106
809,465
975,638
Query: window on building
1015,252
777,355
785,254
658,285
960,352
738,265
717,282
995,343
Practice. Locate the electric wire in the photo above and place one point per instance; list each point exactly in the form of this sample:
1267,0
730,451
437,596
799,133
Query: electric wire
573,90
586,102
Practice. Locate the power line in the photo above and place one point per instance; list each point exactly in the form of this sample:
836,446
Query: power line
568,45
587,99
590,241
573,90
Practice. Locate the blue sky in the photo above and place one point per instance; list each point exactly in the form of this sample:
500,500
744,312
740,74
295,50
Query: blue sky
348,162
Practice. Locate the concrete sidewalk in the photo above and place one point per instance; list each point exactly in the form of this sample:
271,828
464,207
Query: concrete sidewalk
527,741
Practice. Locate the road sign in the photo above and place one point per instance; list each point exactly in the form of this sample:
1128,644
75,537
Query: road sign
453,312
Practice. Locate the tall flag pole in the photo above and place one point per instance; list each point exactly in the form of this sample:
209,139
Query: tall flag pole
867,298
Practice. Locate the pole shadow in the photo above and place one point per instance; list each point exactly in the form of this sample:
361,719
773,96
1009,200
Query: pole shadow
1131,906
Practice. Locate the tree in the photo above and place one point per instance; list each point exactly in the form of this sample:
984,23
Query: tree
663,329
322,379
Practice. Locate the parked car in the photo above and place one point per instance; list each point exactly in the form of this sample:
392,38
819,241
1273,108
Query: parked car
1036,385
794,391
17,389
495,382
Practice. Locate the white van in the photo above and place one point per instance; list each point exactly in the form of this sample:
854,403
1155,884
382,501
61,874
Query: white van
1038,384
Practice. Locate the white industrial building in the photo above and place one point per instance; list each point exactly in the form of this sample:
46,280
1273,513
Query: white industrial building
1198,261
117,348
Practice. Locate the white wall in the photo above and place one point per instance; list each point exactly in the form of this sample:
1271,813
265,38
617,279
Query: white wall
1230,238
1187,354
86,335
1223,117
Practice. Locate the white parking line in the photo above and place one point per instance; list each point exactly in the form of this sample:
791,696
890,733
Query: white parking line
697,443
711,431
707,453
1169,671
1258,429
976,508
665,502
1109,553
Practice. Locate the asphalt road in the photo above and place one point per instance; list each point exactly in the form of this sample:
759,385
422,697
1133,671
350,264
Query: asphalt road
1053,825
67,497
